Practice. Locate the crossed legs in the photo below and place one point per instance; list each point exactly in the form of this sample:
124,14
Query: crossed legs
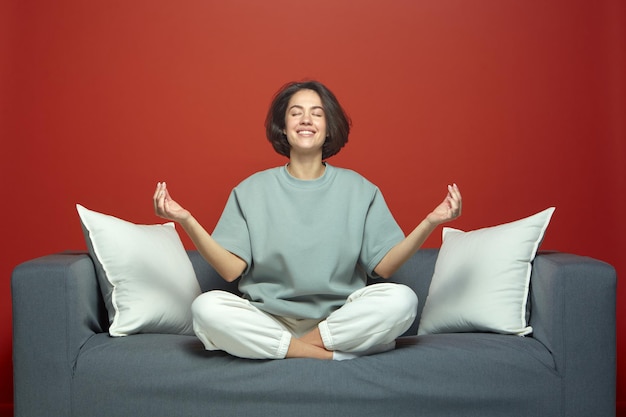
372,316
310,345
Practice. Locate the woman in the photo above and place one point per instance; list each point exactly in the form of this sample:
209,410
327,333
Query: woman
303,238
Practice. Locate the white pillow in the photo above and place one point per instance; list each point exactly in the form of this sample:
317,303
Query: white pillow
482,278
146,278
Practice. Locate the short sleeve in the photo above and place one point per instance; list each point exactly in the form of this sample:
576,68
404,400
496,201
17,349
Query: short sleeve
381,233
232,232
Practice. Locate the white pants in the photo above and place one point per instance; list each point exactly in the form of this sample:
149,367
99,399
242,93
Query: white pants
372,316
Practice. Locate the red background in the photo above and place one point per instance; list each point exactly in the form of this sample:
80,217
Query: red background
522,103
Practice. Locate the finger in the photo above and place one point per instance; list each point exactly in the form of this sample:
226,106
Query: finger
452,208
155,196
454,203
456,192
160,201
459,200
456,195
167,193
156,191
456,210
452,196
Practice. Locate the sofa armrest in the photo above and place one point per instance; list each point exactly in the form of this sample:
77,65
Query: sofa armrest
573,315
57,307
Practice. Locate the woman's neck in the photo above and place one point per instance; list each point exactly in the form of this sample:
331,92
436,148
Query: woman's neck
307,169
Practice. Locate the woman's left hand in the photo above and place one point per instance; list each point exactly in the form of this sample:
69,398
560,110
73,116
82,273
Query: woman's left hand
449,209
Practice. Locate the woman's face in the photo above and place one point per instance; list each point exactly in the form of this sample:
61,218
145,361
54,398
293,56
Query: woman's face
305,122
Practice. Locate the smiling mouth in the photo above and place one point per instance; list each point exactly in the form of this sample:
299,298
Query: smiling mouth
306,132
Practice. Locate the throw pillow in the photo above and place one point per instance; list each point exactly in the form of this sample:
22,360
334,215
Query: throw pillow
146,278
482,278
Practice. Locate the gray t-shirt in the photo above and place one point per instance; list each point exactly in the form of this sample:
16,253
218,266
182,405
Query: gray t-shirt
308,244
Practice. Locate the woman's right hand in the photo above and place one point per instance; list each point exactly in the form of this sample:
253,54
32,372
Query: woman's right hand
228,265
166,207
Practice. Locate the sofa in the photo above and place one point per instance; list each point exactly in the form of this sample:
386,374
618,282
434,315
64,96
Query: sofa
66,363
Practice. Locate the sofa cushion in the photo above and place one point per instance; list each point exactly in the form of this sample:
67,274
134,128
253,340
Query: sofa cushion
435,375
481,278
147,280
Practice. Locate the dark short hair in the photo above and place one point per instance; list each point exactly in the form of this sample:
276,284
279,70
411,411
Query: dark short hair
337,121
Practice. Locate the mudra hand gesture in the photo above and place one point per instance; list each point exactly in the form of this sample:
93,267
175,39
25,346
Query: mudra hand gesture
166,207
449,209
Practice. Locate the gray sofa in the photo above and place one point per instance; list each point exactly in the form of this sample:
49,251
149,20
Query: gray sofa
66,364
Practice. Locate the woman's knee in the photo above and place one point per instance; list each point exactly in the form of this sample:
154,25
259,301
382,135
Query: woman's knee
208,307
407,296
401,299
392,302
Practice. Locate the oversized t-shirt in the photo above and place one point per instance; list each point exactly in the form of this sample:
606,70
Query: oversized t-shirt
308,244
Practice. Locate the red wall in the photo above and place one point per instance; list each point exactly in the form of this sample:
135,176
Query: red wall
521,103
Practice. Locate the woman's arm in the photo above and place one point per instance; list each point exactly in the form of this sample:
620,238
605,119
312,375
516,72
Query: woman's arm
449,209
229,266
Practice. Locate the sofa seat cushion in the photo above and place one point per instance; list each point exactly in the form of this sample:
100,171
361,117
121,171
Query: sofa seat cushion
435,375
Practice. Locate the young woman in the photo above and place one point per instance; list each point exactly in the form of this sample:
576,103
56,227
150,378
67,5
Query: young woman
302,238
